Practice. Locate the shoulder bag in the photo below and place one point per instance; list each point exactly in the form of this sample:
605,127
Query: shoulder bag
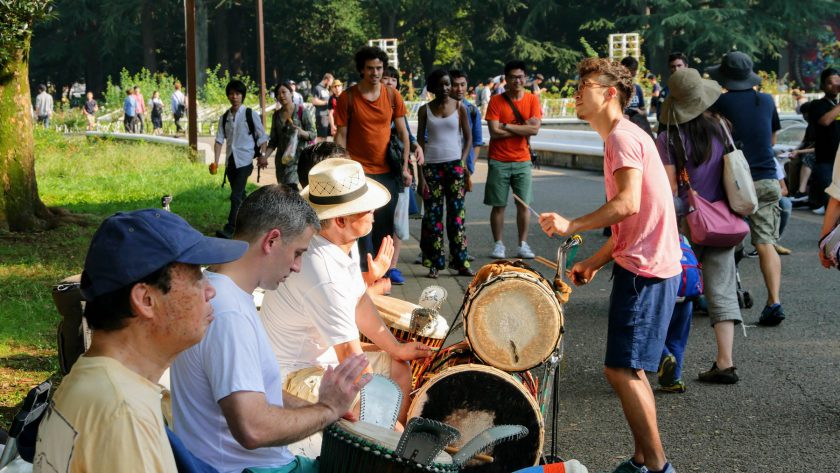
737,179
711,223
535,158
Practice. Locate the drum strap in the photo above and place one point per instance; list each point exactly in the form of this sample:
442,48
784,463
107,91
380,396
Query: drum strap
380,402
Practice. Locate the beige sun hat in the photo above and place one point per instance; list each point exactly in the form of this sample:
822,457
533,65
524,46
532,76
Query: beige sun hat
689,95
338,187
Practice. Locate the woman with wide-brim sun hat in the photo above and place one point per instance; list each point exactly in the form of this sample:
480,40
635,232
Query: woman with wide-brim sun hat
693,140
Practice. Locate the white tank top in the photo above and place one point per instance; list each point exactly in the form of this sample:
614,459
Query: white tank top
444,137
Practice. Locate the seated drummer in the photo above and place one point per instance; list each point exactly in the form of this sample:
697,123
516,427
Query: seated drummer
147,300
313,320
228,402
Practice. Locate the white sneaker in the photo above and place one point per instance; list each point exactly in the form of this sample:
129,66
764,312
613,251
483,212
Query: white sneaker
819,211
525,251
498,250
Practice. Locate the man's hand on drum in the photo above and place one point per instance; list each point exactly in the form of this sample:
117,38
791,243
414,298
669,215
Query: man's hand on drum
339,386
413,350
583,272
377,267
553,224
381,286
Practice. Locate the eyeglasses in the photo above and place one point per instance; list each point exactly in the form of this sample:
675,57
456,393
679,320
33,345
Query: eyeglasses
583,86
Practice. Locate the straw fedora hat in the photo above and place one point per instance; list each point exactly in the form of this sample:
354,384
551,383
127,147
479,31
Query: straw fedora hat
689,95
338,187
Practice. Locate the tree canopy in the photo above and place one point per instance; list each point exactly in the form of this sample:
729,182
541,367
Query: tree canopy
90,40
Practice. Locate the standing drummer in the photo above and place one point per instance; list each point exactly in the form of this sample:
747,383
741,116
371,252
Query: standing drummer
314,318
644,246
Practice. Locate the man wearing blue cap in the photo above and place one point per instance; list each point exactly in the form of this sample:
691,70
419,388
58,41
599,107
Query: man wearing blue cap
147,300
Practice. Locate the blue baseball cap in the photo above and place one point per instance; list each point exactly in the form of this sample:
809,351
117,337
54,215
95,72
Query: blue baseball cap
129,246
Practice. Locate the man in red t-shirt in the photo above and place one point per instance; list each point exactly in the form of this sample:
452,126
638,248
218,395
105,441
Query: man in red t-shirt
365,130
510,156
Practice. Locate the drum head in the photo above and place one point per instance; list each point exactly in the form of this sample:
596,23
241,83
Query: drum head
513,323
473,398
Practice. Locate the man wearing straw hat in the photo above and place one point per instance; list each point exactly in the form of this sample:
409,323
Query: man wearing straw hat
644,245
313,320
754,124
228,403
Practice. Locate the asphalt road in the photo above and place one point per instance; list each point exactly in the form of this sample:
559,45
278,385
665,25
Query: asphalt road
782,416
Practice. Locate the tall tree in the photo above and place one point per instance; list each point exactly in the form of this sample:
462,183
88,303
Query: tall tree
21,208
706,29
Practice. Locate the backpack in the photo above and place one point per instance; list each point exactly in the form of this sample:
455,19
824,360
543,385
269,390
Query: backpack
691,280
249,119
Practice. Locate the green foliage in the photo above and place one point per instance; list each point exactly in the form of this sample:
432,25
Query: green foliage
148,83
588,50
213,92
97,178
17,17
707,30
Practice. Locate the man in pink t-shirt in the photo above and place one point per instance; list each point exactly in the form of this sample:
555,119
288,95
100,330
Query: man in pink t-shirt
644,245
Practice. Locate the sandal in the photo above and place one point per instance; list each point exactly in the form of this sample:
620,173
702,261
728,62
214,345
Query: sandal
466,272
433,273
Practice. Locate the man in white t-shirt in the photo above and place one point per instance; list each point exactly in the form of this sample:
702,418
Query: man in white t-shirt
314,318
228,404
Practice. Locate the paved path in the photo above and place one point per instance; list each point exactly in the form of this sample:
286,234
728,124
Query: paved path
782,416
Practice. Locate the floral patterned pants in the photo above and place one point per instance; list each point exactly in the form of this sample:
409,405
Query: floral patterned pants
446,188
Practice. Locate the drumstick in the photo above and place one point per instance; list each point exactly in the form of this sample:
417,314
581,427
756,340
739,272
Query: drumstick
452,450
518,199
546,261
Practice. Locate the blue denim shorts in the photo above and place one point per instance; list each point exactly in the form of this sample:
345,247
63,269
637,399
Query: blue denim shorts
640,311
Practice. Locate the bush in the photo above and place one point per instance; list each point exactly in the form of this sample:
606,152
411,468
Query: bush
213,92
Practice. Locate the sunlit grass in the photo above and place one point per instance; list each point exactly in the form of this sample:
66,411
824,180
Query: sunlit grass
97,178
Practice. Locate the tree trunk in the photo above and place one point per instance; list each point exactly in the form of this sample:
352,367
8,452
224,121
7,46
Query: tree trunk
201,57
21,208
149,30
221,28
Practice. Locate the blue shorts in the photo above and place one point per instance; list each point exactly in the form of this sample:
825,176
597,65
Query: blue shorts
640,311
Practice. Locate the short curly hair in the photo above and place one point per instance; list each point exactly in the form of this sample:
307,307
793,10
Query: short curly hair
610,73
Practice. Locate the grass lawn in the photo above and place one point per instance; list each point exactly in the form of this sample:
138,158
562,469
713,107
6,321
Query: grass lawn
96,178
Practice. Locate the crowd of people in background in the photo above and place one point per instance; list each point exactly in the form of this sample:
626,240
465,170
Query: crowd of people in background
342,166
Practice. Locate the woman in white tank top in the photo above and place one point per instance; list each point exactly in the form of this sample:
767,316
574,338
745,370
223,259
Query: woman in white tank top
443,131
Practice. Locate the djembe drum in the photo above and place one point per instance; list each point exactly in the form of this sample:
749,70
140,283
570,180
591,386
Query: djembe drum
472,398
362,447
428,327
512,318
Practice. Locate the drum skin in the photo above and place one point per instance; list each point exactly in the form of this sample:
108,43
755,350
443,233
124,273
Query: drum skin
472,398
513,321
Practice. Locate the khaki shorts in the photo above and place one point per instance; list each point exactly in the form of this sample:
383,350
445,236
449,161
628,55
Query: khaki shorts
306,383
504,175
764,222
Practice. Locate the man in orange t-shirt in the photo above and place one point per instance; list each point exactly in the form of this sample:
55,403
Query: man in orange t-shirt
365,132
510,156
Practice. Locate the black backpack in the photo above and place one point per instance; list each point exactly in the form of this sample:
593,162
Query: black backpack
249,118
